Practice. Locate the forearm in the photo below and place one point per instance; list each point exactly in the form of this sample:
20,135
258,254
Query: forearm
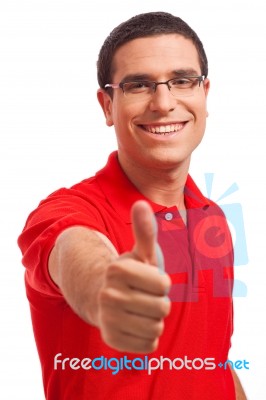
124,296
240,394
77,264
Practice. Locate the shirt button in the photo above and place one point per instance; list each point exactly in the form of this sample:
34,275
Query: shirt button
168,216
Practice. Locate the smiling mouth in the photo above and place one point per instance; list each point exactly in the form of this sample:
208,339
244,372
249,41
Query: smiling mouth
167,129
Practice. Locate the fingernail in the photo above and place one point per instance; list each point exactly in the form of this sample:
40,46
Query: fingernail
155,225
159,258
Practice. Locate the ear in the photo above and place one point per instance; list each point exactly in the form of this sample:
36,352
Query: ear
206,90
106,104
206,84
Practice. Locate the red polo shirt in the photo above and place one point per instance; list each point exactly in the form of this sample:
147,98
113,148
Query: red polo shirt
76,364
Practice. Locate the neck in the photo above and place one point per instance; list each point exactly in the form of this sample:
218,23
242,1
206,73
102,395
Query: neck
164,186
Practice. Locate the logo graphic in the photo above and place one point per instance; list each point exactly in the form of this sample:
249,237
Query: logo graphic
124,363
234,216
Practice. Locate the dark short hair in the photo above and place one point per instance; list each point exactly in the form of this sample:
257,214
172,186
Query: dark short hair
145,25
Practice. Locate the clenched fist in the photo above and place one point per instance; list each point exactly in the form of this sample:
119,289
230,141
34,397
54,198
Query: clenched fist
132,300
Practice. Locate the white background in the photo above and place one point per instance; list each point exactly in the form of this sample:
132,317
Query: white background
53,134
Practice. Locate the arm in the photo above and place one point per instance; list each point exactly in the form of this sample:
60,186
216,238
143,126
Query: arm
124,296
240,394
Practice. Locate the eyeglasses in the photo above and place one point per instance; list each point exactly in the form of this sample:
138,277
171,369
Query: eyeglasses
182,86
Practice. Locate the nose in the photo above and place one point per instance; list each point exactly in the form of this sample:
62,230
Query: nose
162,100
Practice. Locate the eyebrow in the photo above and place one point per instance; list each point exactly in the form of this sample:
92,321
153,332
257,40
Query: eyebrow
147,77
186,72
136,78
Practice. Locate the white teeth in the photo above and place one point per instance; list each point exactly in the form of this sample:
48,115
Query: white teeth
164,128
161,129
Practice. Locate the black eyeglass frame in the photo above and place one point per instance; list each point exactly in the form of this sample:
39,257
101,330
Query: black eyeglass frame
199,78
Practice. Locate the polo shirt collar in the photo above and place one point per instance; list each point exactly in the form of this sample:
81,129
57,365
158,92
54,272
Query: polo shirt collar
121,194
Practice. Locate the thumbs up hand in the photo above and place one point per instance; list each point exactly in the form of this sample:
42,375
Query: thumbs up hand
132,304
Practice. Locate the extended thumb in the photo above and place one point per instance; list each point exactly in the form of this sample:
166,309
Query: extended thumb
144,223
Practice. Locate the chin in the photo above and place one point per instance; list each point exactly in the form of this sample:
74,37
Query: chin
167,160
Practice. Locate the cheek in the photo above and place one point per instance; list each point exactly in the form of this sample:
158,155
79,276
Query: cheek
200,111
118,109
122,123
124,115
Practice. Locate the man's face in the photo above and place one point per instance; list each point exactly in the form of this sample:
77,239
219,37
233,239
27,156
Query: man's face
139,123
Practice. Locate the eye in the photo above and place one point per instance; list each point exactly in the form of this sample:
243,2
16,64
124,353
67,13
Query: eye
137,87
181,82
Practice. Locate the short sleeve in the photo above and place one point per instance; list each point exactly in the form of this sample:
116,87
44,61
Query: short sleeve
62,209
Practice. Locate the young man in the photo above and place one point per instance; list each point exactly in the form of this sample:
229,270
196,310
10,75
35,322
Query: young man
108,321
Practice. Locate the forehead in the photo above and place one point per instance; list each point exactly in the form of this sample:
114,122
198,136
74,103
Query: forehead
155,56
